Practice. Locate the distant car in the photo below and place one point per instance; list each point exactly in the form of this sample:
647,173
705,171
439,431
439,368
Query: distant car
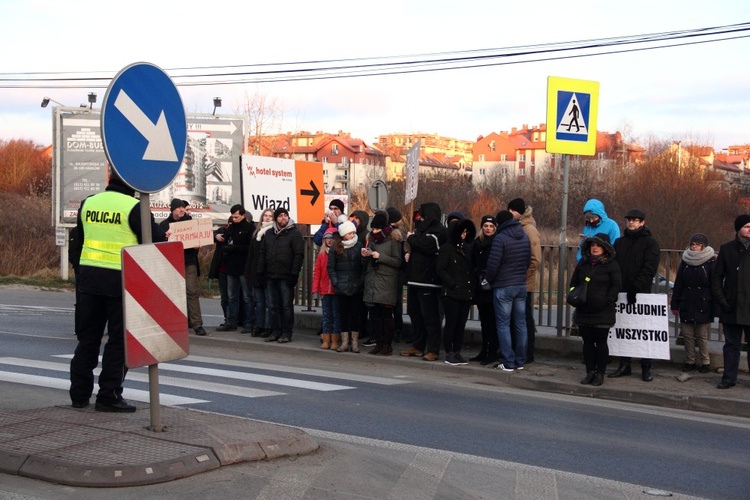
660,284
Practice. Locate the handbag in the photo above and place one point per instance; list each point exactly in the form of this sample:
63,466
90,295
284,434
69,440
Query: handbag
577,295
483,283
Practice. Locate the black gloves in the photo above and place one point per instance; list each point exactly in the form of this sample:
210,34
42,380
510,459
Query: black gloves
631,298
724,304
292,280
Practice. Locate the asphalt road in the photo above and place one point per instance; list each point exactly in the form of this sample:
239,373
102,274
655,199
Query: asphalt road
683,452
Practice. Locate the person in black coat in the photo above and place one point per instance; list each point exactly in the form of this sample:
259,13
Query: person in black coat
457,276
237,239
730,286
638,257
480,250
692,300
597,315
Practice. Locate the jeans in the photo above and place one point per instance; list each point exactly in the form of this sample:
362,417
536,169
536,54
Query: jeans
262,315
511,301
234,284
732,339
281,304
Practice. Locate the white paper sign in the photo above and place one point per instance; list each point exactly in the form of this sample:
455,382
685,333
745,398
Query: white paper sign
642,329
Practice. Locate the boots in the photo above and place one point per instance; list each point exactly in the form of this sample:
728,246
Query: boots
335,341
621,371
378,329
344,347
387,337
326,338
598,379
646,374
355,342
589,378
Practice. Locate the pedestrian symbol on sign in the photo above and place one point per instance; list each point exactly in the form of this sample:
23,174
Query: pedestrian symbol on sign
572,116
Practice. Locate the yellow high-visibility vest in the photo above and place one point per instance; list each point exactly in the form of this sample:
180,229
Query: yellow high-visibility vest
106,231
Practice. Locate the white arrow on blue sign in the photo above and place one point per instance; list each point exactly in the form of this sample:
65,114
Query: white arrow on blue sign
144,128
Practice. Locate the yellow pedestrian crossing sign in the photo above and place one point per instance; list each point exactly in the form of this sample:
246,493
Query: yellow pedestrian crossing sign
572,107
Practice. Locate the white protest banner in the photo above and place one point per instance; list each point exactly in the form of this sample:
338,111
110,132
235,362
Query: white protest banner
411,173
642,329
194,233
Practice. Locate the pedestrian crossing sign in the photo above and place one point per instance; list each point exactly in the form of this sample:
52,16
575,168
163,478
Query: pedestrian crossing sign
572,107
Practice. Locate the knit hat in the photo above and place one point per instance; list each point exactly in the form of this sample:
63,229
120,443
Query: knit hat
740,221
346,228
279,211
379,220
329,233
455,215
393,215
636,213
489,218
186,203
517,205
699,238
175,204
503,216
337,203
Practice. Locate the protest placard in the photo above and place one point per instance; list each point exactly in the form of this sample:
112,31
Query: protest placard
194,233
642,329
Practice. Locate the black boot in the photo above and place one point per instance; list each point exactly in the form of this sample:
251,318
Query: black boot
598,379
482,353
621,371
589,378
377,326
646,374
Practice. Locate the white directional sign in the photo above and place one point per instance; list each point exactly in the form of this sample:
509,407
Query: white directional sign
143,127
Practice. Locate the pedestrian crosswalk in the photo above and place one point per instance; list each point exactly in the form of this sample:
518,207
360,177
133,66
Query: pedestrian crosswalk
196,378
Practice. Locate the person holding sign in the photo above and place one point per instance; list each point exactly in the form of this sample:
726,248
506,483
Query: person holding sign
595,318
730,286
638,256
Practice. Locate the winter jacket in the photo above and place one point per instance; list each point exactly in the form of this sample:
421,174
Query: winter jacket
692,296
281,253
321,282
213,270
638,257
604,286
381,275
362,228
454,267
191,254
424,246
730,283
234,253
528,224
510,256
606,225
253,256
480,251
345,270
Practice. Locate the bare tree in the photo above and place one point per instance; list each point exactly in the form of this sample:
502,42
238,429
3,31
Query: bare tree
265,118
24,169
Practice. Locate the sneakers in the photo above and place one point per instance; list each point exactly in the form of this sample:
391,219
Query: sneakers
370,342
200,331
226,328
412,351
121,406
247,329
284,339
504,367
455,359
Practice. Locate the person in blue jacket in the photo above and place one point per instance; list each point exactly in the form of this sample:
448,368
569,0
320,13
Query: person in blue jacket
597,222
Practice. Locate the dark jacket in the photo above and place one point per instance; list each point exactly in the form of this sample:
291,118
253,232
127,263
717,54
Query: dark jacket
454,267
692,292
191,254
424,246
480,251
345,270
253,256
281,253
638,257
510,256
381,275
604,286
213,270
234,254
730,283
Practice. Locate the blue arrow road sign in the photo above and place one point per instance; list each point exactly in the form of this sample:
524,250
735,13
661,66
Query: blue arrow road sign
144,127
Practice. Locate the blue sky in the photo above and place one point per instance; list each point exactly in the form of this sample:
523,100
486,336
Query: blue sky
696,93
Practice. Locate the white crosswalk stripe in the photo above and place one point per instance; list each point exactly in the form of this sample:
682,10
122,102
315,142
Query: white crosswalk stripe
243,372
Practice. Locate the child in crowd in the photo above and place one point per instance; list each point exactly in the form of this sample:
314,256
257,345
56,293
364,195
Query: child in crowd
345,271
321,284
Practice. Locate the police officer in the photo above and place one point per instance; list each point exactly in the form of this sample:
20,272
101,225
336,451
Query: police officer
107,222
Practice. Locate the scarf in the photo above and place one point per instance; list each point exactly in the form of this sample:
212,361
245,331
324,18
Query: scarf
264,226
693,258
350,243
